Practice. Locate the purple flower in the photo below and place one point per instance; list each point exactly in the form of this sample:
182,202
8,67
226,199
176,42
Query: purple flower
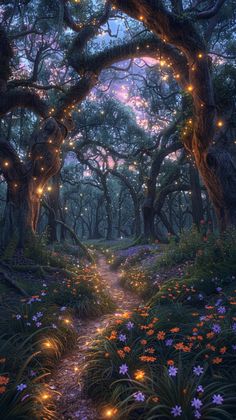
234,327
218,289
200,388
197,414
123,369
18,316
130,325
198,370
63,308
39,314
234,347
139,396
38,324
176,411
169,342
216,328
21,387
34,318
217,399
196,403
221,310
122,337
172,371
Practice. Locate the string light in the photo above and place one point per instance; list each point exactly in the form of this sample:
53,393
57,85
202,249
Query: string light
220,123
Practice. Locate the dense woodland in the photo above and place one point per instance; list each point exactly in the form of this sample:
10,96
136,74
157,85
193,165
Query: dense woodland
117,209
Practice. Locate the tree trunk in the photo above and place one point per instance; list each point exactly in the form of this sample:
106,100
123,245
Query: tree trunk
27,181
196,196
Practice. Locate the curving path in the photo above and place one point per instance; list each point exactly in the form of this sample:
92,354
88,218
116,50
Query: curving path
67,380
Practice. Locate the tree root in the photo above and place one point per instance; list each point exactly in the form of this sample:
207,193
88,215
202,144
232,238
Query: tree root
10,281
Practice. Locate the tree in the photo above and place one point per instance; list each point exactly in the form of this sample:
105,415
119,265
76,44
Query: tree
177,28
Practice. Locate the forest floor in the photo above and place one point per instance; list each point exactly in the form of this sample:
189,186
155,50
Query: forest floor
67,379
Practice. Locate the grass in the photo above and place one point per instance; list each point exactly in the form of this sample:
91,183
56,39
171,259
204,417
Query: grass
175,357
35,332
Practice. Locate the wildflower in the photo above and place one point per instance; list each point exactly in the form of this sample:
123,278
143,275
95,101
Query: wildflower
148,359
176,411
169,342
130,325
127,349
219,289
4,380
217,360
217,399
221,310
161,335
143,342
196,403
175,330
234,347
123,369
170,362
197,414
139,396
198,370
39,314
18,316
216,328
122,337
2,389
200,388
63,308
38,324
234,327
21,387
172,371
121,353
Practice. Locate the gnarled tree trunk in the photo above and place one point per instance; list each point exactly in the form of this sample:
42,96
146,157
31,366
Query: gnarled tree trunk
26,182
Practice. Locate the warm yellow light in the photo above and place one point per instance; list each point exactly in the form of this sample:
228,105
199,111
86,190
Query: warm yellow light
190,88
220,123
45,396
139,375
40,191
47,344
49,188
67,321
6,163
110,412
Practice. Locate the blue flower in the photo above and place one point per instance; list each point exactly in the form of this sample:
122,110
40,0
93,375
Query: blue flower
216,328
234,327
122,337
217,399
200,388
172,371
176,411
123,369
130,325
197,414
18,316
196,403
221,310
139,396
169,342
21,387
198,370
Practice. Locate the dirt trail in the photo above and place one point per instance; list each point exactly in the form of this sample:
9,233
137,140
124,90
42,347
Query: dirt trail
71,403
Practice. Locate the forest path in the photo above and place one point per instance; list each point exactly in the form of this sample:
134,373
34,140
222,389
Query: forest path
67,380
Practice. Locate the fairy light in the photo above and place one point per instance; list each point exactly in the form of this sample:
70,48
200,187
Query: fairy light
40,190
6,163
45,396
49,188
190,88
220,123
110,412
47,344
139,375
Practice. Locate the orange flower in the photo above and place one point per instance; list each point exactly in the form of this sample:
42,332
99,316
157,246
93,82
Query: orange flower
147,358
223,350
210,335
161,335
143,342
179,346
217,360
170,362
175,330
4,380
2,389
155,399
127,349
121,353
150,332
